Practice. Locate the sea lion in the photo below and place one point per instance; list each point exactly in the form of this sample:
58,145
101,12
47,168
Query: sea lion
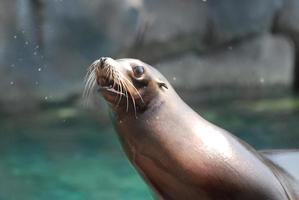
178,153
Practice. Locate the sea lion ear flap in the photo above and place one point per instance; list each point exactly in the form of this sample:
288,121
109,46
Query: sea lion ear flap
162,84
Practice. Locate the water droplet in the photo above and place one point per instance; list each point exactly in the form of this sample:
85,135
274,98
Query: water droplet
174,78
262,80
12,83
35,53
204,0
39,69
26,43
15,37
46,98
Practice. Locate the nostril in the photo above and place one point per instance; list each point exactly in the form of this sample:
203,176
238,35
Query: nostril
102,60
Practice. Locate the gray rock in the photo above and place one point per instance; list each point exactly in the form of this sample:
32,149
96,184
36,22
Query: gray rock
73,34
7,24
168,27
16,92
87,31
265,60
287,24
172,27
235,19
288,16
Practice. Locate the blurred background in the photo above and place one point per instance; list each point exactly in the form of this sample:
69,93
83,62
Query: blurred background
236,62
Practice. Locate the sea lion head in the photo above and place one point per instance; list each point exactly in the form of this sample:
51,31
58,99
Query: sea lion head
126,84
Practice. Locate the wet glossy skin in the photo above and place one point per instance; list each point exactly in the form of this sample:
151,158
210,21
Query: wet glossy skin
183,156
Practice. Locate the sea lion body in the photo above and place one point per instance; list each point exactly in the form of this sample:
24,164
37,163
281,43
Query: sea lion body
181,161
180,154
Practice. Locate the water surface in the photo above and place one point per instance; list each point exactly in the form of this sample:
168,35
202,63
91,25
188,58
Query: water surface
65,153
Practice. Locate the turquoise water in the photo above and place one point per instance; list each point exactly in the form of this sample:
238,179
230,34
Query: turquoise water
47,157
65,153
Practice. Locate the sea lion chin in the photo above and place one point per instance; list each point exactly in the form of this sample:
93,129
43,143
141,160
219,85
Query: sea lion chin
177,152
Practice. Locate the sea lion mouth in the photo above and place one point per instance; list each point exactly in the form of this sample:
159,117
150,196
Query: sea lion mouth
105,82
108,79
110,86
102,75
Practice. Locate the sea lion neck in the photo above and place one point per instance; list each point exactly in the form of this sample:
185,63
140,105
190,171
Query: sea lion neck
141,111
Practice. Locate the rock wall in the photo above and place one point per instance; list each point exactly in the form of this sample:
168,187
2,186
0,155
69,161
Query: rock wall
286,23
16,92
45,58
257,62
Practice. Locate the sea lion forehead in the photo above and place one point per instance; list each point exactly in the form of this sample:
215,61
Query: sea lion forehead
129,63
132,62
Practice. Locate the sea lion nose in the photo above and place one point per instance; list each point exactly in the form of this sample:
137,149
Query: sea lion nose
102,61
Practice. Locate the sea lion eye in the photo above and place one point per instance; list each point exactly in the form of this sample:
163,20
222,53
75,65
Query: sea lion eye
138,71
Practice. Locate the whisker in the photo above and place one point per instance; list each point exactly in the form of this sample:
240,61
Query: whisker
126,89
114,91
134,105
114,83
90,82
131,84
133,100
120,89
126,94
